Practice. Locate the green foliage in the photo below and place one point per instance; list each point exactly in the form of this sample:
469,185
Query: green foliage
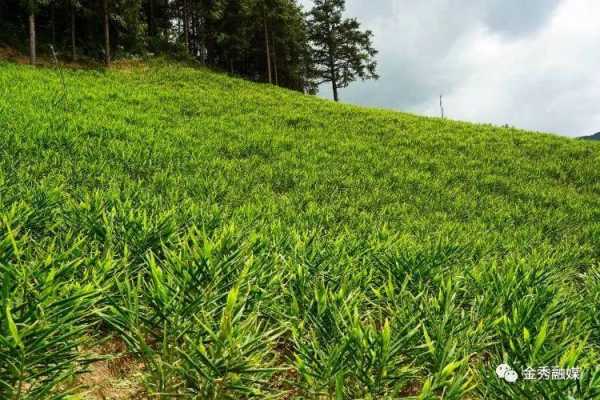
47,316
340,51
250,242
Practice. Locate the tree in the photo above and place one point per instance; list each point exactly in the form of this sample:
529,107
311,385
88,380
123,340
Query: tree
289,46
341,52
106,32
273,14
186,25
32,43
32,8
73,6
128,28
279,45
267,48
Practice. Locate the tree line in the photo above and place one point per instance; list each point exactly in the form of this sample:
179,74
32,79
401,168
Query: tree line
274,41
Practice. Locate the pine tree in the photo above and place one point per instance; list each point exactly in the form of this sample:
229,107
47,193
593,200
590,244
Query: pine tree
341,52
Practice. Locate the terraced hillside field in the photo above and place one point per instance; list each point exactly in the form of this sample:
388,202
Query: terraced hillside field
169,232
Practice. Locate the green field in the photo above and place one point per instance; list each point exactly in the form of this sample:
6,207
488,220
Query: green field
169,232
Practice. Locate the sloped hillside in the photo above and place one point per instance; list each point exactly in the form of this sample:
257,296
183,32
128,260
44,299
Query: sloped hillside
168,231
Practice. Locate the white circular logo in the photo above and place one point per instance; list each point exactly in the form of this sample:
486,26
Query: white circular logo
501,370
504,371
511,376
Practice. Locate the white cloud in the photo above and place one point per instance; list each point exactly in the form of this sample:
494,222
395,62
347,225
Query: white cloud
529,64
545,81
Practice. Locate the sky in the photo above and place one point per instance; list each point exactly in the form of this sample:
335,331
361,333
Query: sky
532,64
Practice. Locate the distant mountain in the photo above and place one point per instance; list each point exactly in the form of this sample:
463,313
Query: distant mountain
595,136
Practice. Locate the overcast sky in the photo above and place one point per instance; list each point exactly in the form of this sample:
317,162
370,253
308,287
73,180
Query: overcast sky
534,64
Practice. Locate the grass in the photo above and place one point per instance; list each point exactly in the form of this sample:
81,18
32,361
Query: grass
242,241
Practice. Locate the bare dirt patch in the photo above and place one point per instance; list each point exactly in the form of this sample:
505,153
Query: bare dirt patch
118,377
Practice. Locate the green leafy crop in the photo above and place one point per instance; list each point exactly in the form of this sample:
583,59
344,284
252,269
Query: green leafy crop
243,241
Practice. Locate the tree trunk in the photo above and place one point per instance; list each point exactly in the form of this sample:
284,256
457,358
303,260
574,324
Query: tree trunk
268,51
197,35
186,25
73,48
275,67
194,29
166,27
32,44
151,27
106,34
335,90
332,71
275,70
53,22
